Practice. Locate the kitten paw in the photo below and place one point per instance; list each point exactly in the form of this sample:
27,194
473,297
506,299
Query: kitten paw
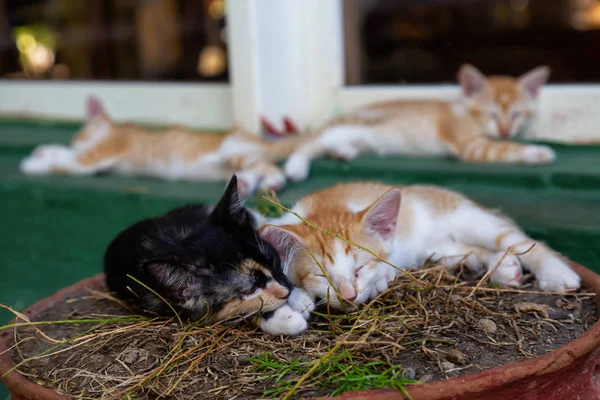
346,153
557,276
297,167
472,261
45,158
381,286
390,273
274,182
247,183
284,321
538,155
508,273
301,302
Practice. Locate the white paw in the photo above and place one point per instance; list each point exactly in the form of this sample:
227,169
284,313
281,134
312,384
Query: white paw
297,167
345,153
44,158
538,155
275,182
284,321
388,272
301,302
557,276
247,183
381,286
472,261
508,273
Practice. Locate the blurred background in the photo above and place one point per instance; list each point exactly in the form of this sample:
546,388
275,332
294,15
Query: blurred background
426,41
119,40
401,41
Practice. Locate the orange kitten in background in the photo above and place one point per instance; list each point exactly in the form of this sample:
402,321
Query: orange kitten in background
174,153
405,226
497,107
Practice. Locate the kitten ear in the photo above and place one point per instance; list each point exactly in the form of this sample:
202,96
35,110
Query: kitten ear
94,108
230,210
471,80
381,218
532,81
175,279
284,241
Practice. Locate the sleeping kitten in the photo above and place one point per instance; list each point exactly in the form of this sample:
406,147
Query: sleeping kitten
208,264
498,107
174,153
432,222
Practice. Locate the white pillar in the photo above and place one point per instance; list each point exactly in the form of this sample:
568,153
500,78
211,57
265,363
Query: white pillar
286,60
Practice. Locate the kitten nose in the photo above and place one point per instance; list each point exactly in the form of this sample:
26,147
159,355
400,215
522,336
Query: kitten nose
504,131
347,291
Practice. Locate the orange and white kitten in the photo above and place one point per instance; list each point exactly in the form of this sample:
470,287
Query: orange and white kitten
432,223
174,153
497,107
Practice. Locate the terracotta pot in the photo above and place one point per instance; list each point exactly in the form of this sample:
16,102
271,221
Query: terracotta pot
571,372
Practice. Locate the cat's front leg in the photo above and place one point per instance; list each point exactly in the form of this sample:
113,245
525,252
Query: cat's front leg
247,183
283,321
301,302
344,152
538,154
48,159
260,175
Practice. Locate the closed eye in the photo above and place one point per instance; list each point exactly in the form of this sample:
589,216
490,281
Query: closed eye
515,114
358,269
251,292
493,114
320,275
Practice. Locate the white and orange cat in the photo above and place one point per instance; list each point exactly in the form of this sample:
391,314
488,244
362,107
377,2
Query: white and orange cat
489,109
174,153
405,226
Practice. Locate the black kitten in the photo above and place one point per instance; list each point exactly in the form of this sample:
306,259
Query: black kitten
208,264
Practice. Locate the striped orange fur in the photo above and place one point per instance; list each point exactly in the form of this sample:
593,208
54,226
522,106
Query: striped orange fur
473,128
174,153
404,226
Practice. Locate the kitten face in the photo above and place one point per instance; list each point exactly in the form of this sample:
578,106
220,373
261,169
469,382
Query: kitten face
206,263
501,106
353,272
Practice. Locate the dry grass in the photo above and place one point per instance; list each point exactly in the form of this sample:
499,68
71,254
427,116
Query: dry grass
108,356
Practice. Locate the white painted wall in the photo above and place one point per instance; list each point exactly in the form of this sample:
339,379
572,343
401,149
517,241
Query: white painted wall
286,60
196,105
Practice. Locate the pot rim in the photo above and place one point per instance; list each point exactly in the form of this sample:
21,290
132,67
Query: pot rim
555,360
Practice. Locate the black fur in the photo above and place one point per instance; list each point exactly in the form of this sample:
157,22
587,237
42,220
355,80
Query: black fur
191,253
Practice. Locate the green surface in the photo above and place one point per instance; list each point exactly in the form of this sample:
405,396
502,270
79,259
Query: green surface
55,229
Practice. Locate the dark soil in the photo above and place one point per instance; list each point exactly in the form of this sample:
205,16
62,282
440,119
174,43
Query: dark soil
430,333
